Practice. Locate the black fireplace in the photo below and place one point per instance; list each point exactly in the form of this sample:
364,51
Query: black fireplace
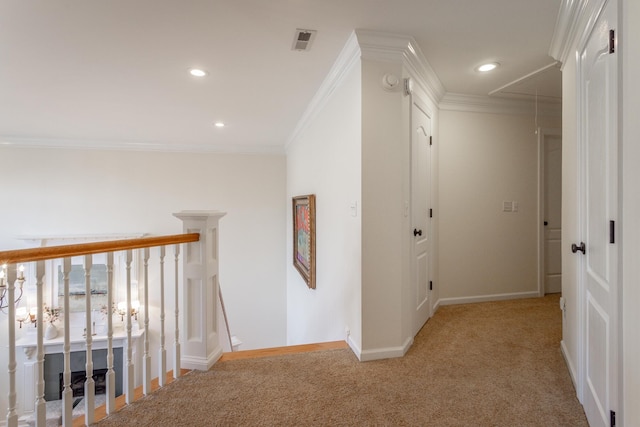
54,368
78,379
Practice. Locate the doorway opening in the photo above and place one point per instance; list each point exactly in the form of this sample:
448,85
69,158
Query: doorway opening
550,211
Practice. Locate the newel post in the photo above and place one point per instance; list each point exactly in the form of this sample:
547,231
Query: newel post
199,299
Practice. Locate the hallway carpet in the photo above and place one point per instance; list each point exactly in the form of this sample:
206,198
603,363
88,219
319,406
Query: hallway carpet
487,364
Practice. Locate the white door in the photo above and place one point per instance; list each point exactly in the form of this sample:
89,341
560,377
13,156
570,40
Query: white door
599,208
552,214
420,218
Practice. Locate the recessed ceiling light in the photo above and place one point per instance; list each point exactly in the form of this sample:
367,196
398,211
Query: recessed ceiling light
196,72
219,124
488,67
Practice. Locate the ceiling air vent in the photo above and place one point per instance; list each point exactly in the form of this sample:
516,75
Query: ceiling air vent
303,39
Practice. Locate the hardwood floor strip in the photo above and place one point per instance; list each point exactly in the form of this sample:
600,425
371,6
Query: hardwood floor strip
278,351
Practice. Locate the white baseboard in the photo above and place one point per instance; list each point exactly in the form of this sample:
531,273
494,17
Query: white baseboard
386,353
567,359
201,363
355,348
436,306
486,298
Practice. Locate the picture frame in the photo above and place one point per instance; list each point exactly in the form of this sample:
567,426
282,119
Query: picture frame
304,237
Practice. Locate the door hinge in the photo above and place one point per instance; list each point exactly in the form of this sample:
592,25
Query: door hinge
430,285
612,41
430,213
430,140
613,419
612,231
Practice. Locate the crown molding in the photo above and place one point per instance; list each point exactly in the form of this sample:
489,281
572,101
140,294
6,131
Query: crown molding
347,59
400,48
423,73
574,18
82,144
384,47
487,104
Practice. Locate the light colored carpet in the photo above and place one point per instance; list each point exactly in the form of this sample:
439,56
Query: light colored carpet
488,364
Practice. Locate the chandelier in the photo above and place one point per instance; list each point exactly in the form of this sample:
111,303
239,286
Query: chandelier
4,285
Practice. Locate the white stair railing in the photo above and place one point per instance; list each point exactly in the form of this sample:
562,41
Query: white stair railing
40,402
176,344
129,378
67,393
12,415
111,373
199,265
162,352
146,358
89,384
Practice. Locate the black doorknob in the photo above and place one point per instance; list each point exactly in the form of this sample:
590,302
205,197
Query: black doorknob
417,232
575,248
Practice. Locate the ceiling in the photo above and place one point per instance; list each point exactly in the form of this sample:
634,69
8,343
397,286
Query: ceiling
114,72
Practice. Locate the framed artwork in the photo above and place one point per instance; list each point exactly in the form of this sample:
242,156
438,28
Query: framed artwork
304,237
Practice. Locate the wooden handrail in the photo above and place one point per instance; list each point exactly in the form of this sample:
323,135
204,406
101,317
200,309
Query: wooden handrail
63,251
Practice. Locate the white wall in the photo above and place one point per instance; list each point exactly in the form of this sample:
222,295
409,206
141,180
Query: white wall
485,159
60,192
358,149
384,191
325,160
387,292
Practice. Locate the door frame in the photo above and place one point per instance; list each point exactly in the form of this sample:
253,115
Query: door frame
542,134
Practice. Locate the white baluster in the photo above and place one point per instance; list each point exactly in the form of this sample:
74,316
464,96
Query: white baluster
176,356
89,384
111,375
146,360
12,415
41,409
162,352
130,371
67,392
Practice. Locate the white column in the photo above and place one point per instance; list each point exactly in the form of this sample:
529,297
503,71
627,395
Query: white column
200,344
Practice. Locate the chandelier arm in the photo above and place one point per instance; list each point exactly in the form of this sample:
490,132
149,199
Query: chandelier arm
17,300
2,299
4,304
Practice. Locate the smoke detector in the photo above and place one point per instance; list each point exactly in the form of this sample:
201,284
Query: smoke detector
303,39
